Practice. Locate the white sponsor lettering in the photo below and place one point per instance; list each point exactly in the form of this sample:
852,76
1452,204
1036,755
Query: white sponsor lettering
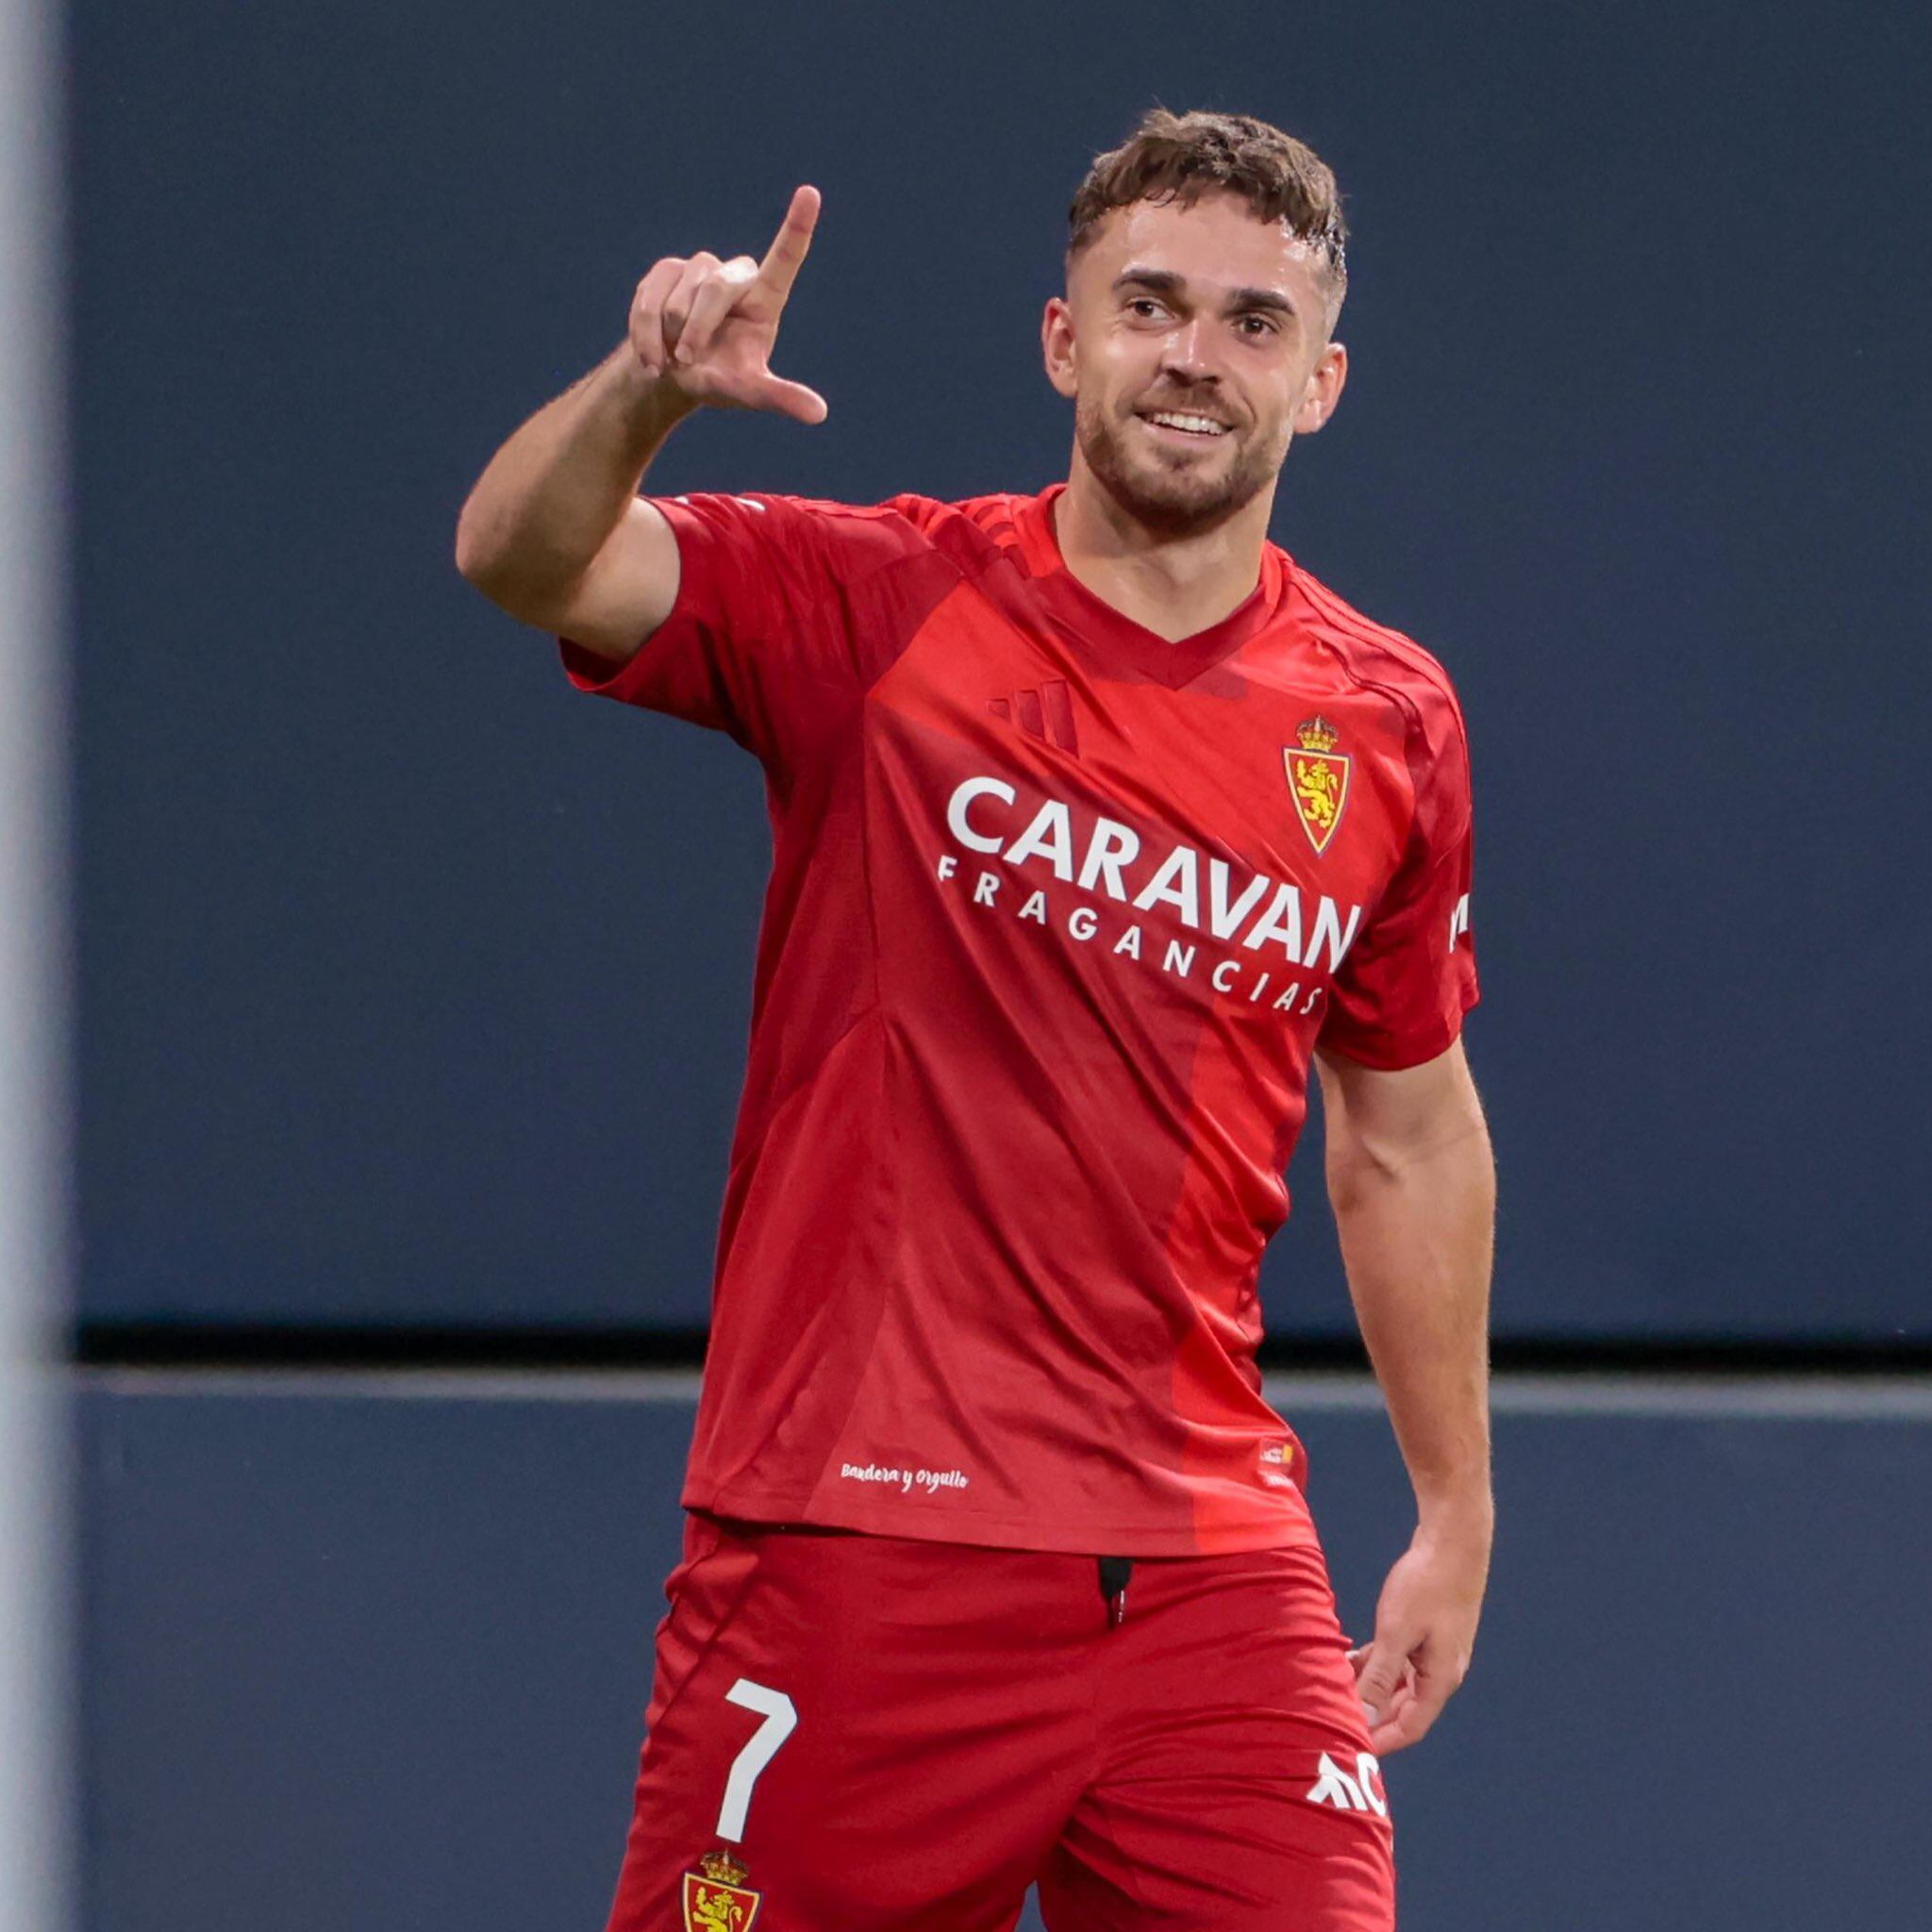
1328,926
1109,860
1346,1792
1242,975
869,1472
1224,920
1286,1003
1176,884
957,822
931,1481
1049,837
1112,847
1335,1786
1271,926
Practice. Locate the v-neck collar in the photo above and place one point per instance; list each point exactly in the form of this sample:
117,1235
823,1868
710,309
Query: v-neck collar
1115,639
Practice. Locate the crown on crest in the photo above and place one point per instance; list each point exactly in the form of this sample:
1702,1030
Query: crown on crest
721,1868
1317,734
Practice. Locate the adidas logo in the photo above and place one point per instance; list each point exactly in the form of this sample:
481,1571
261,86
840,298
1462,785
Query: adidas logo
1047,713
1358,1793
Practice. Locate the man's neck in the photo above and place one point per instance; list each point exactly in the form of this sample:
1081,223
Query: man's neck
1172,586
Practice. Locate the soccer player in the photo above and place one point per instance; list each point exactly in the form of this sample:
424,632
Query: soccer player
1096,819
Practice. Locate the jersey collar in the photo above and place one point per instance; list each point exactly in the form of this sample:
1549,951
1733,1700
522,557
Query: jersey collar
1096,627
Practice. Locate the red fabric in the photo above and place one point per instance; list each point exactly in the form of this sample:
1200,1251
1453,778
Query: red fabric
968,1721
1050,935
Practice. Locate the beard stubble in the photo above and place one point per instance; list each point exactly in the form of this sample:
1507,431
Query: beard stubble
1175,502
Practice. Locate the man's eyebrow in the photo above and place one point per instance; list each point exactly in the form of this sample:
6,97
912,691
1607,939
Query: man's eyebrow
1261,298
1164,282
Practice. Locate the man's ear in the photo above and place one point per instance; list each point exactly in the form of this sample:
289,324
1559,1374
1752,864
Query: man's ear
1056,345
1326,384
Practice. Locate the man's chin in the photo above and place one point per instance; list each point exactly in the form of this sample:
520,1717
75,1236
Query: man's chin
1174,500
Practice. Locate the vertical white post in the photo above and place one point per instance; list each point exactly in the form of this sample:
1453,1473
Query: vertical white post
34,1142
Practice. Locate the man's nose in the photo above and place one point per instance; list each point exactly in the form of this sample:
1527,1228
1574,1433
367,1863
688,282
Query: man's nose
1190,351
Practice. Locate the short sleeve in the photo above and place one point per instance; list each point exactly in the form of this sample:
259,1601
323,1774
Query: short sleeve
786,613
1407,982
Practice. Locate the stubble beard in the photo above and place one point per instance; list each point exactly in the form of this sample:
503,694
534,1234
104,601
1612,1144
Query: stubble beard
1177,502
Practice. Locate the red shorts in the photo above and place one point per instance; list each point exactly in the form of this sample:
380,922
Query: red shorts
856,1733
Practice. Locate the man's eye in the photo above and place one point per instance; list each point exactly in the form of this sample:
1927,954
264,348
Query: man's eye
1257,326
1143,305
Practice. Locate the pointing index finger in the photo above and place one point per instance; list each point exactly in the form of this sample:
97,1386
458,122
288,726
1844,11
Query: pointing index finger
792,243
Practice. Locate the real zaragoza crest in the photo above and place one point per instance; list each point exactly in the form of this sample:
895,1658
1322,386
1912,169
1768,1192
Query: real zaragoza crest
1318,778
718,1901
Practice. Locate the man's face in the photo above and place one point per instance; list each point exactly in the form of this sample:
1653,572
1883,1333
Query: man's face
1194,342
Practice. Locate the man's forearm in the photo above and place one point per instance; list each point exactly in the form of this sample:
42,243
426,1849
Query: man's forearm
553,494
1417,1233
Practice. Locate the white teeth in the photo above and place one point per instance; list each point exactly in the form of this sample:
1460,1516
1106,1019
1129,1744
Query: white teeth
1172,419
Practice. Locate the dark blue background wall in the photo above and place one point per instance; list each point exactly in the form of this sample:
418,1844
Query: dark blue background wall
413,990
378,1655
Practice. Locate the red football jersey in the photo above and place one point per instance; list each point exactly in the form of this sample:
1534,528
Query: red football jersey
1057,911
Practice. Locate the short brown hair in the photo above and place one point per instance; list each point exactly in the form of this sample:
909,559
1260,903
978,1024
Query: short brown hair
1182,157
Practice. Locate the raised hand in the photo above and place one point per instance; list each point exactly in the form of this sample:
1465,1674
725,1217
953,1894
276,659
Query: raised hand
707,327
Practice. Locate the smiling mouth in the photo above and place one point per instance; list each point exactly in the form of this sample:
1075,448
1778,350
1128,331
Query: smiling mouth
1185,423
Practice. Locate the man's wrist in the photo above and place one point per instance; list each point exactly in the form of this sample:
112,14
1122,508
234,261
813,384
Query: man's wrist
653,404
1464,1513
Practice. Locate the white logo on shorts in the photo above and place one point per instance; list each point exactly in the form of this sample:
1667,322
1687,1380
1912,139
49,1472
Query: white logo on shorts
1358,1793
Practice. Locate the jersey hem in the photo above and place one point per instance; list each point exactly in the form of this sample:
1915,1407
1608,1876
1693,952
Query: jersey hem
1080,1538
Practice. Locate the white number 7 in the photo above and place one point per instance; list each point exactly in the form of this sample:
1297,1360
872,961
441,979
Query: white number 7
781,1719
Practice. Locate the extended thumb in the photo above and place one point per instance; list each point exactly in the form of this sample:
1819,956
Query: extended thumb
794,399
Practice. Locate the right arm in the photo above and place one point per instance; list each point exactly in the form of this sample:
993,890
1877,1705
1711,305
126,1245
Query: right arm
554,531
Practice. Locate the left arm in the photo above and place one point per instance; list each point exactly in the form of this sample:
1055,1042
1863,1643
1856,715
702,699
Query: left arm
1413,1183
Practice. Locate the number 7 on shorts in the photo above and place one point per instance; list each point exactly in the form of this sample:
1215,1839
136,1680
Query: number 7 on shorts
780,1720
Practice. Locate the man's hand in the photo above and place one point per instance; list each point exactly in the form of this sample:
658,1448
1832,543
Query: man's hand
1425,1632
706,329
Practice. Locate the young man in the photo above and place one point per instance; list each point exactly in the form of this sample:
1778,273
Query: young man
1095,817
